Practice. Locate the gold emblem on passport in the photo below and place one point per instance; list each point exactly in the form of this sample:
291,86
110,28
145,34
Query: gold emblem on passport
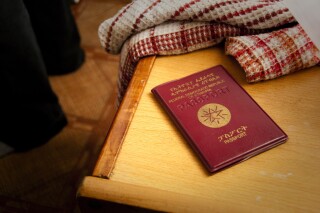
214,115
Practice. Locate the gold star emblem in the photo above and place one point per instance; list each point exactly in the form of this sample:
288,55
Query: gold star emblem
214,115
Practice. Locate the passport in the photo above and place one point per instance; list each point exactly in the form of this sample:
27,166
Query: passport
221,122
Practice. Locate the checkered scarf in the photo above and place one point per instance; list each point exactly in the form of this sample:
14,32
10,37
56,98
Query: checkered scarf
261,34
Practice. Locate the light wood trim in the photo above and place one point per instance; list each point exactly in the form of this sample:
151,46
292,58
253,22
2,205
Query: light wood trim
156,168
123,119
143,197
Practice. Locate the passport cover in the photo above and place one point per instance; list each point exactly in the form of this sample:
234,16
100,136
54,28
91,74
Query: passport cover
218,118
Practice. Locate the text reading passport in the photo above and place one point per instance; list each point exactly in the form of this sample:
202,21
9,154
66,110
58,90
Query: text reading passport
218,118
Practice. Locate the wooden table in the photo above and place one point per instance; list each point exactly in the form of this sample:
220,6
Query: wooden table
156,169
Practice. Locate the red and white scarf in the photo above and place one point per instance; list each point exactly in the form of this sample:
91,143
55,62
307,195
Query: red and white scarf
261,34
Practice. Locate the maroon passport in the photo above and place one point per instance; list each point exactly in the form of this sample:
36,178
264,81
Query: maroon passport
218,118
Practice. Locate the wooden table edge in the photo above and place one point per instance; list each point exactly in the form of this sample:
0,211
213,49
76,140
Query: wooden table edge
105,190
123,118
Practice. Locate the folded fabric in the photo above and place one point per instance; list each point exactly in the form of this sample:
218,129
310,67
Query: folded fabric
143,14
165,27
172,38
270,55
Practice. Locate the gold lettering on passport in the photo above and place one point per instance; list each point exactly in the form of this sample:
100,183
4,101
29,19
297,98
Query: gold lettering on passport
214,115
195,87
200,98
233,135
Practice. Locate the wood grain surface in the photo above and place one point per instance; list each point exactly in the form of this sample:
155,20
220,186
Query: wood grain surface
155,156
123,119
